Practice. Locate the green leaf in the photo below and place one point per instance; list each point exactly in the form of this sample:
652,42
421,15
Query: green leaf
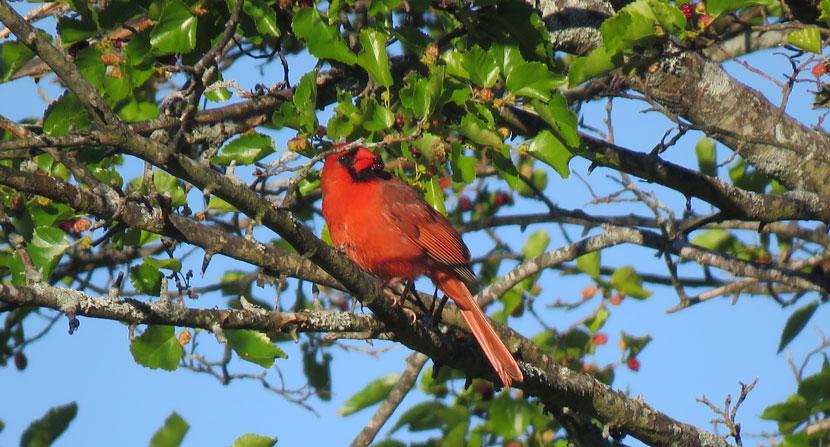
550,150
808,39
171,433
536,244
718,7
169,184
598,320
508,58
376,117
478,132
254,440
589,263
13,56
716,239
670,18
422,95
508,418
630,26
146,279
599,61
171,264
46,248
374,392
245,150
136,110
481,67
264,16
254,346
175,31
816,388
747,178
323,40
373,56
824,6
705,149
218,204
505,168
65,115
560,118
626,280
434,195
423,416
44,431
795,324
789,414
455,64
157,348
533,80
463,166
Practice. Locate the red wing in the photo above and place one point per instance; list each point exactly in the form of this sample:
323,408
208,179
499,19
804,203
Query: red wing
430,230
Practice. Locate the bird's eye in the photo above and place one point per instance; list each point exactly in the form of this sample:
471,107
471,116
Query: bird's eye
377,165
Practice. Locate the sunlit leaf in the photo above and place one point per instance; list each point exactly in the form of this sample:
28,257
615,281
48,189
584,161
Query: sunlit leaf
157,348
795,324
254,346
44,431
171,433
374,392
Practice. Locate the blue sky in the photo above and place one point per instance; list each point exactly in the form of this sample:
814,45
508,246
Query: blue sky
706,349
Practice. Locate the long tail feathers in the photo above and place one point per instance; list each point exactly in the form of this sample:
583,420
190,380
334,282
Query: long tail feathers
497,353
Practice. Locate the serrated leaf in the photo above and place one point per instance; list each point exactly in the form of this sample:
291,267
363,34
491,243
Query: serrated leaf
245,150
795,324
374,392
625,279
560,118
146,279
589,263
631,25
807,38
536,244
550,150
171,433
254,346
65,115
705,150
46,248
463,166
254,440
323,40
508,58
376,117
373,56
13,56
175,31
157,348
481,67
44,431
533,80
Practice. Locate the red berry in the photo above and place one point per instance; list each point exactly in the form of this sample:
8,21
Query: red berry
819,69
503,198
67,225
81,225
617,299
633,364
399,121
687,10
17,203
599,339
464,203
588,292
445,182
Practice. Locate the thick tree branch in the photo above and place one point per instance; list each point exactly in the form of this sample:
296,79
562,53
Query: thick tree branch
167,312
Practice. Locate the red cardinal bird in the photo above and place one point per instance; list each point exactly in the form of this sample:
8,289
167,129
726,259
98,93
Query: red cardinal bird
387,229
